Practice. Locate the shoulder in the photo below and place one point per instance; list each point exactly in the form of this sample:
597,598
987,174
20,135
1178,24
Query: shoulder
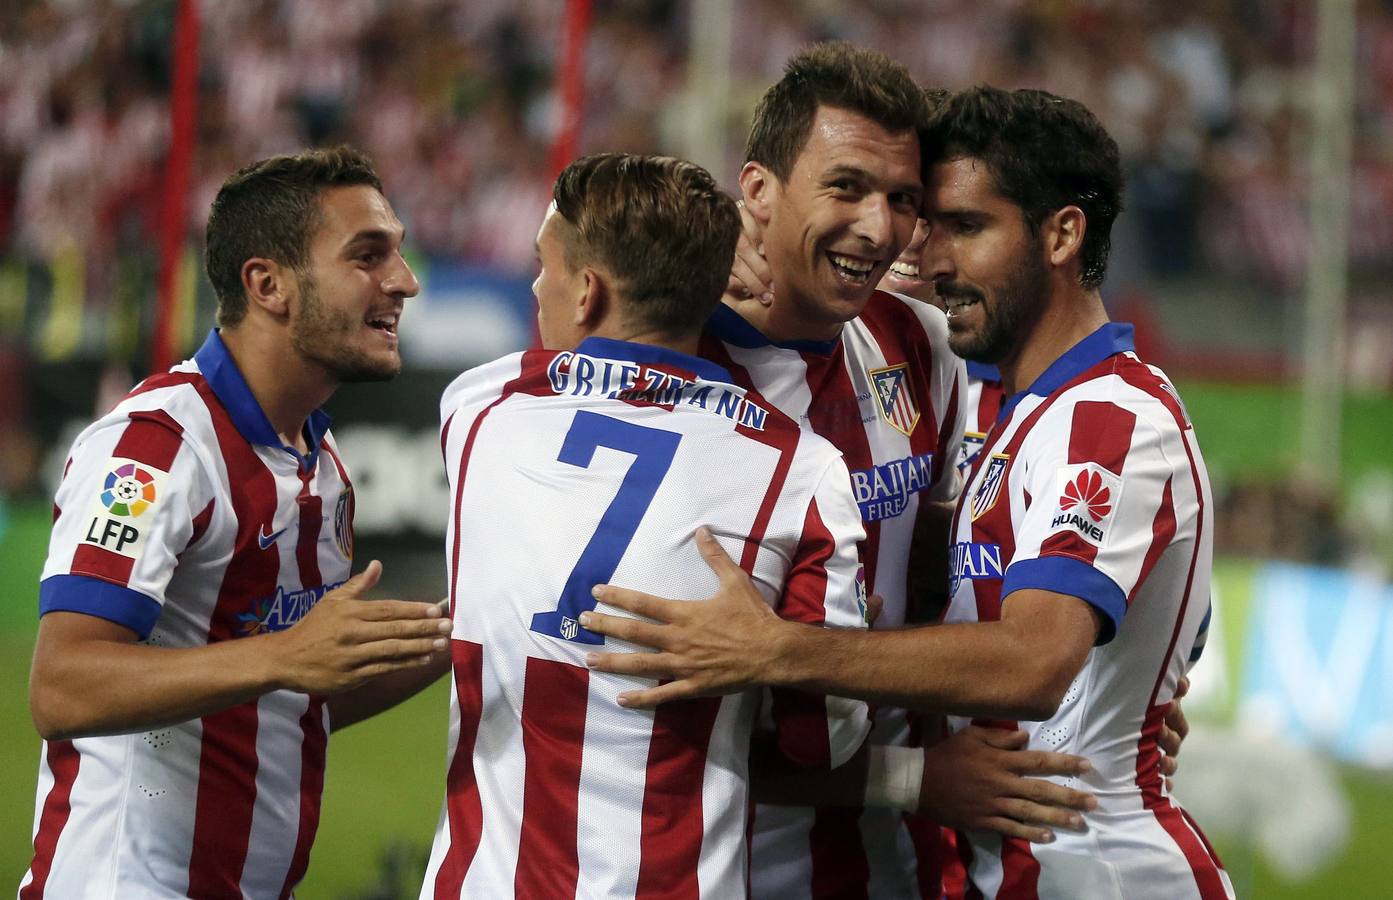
159,411
907,319
1127,409
489,381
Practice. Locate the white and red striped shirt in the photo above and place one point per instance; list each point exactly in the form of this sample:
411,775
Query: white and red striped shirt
985,394
183,517
576,468
1091,484
888,393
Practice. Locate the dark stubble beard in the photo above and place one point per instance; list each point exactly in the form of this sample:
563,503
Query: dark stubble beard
325,336
1008,316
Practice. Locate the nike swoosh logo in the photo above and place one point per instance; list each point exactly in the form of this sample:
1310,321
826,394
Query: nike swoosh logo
266,540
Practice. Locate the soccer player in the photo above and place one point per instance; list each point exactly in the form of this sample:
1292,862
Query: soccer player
200,634
833,182
569,467
1083,541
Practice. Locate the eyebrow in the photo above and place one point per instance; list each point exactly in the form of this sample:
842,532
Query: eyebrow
372,235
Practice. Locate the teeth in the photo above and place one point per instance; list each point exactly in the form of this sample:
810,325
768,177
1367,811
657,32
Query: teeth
904,269
855,265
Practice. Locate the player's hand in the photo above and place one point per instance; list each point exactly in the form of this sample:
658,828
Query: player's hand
875,605
981,779
750,275
1174,729
347,640
715,646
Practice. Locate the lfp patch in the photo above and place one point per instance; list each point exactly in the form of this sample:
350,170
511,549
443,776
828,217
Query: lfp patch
894,398
1088,498
119,520
129,490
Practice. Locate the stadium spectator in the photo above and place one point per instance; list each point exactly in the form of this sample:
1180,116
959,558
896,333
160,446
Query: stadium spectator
1080,573
200,634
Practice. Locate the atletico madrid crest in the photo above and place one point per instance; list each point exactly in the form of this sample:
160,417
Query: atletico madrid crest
989,487
343,522
894,398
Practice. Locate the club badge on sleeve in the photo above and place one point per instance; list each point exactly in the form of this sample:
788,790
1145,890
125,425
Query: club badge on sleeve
120,516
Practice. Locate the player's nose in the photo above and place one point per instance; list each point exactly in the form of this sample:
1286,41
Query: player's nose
401,281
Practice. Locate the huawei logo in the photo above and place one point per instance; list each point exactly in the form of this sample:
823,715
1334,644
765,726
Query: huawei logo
1088,491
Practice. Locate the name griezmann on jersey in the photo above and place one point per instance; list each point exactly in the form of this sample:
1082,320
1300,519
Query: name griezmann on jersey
578,375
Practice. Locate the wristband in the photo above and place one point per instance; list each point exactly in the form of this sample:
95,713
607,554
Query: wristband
894,776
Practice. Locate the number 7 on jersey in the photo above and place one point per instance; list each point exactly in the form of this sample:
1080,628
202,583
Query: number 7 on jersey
653,450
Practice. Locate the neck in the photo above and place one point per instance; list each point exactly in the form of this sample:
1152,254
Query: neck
687,344
780,320
286,387
1069,316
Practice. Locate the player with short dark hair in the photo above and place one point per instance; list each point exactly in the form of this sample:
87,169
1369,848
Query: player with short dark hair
833,184
200,634
1083,541
598,457
835,75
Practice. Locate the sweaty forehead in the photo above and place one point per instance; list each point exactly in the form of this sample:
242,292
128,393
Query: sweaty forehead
841,138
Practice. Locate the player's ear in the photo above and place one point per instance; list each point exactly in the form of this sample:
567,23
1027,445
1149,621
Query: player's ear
759,188
268,285
1062,235
594,299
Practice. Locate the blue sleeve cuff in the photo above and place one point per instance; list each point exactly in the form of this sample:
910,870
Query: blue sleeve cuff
94,597
1066,575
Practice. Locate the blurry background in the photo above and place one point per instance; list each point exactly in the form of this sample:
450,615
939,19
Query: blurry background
1255,257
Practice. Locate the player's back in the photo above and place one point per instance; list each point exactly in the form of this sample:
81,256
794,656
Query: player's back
574,469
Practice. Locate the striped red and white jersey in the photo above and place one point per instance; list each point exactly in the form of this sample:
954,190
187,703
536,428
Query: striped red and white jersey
985,394
576,468
183,517
888,393
1091,484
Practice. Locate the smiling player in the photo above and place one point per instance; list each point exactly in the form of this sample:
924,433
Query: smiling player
200,634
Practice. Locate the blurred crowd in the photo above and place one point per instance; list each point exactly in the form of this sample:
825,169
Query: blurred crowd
457,103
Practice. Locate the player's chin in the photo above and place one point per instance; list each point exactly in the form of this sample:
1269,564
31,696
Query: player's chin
377,367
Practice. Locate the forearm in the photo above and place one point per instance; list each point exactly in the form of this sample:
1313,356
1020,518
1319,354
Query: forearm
983,669
1017,667
384,692
105,687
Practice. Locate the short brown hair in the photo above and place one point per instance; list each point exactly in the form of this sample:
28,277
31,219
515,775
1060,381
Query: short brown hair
271,209
1044,152
660,226
838,75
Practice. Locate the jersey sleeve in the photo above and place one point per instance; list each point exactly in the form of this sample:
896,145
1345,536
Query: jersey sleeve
1100,509
825,586
130,501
